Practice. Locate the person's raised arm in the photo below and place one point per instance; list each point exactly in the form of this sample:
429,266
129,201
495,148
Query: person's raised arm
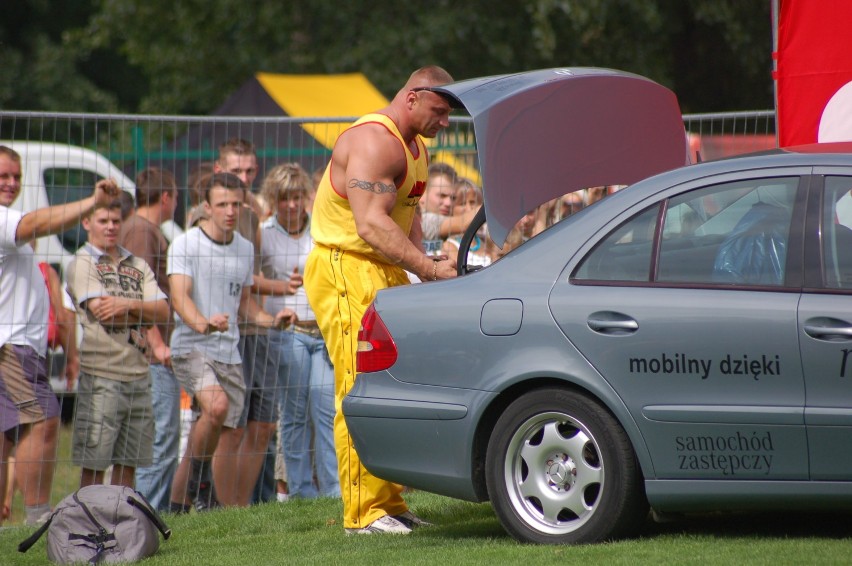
119,311
450,251
151,308
160,350
55,219
251,311
374,162
69,345
265,286
276,287
66,327
416,233
181,288
456,224
251,201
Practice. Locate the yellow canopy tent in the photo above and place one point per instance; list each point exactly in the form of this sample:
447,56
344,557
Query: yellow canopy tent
345,95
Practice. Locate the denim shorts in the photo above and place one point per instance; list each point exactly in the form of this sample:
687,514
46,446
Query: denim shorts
260,371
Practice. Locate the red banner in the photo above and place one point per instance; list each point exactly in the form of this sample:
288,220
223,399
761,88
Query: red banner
814,71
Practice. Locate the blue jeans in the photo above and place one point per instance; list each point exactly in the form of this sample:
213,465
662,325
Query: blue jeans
306,402
155,481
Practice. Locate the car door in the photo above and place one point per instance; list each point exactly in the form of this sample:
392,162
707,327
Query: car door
825,321
688,310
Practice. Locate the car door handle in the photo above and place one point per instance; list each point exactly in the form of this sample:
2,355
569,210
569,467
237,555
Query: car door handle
821,331
611,323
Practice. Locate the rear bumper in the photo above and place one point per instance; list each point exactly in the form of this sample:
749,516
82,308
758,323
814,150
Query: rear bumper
416,435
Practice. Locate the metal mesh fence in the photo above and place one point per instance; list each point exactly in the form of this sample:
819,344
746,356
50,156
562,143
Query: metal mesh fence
717,135
182,143
65,154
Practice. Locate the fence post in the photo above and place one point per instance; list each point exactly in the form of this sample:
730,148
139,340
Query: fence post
137,135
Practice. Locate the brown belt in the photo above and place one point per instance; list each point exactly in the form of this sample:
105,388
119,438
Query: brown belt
307,327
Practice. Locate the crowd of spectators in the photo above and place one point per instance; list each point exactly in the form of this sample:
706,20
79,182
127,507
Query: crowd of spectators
237,314
451,201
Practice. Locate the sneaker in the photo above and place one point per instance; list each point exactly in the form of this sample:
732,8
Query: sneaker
411,520
206,500
382,525
38,521
282,497
200,487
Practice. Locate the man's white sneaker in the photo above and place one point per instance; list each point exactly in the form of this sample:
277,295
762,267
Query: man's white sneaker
411,520
382,525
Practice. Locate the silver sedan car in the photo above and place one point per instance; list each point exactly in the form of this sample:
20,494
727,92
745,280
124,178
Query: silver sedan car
682,345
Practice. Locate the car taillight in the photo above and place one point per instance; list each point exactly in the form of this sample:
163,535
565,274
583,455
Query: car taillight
376,349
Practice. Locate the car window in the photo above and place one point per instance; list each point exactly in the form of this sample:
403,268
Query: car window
64,185
837,232
624,255
730,233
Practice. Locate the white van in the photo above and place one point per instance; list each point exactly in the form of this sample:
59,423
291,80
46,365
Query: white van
54,173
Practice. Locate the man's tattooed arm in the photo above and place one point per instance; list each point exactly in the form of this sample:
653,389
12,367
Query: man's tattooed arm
373,186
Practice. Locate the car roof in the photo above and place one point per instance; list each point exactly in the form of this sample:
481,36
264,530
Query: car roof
816,154
541,134
824,148
813,155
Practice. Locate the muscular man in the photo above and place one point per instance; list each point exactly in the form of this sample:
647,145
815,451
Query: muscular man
367,236
29,411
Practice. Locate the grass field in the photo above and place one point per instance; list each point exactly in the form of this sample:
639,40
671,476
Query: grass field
309,532
66,478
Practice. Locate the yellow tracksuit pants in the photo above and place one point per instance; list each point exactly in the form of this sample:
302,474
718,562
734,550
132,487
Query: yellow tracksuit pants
340,286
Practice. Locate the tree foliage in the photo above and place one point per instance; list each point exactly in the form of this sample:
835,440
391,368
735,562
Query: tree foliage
159,56
41,71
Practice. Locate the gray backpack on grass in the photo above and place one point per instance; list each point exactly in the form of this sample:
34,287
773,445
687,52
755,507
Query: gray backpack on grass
101,523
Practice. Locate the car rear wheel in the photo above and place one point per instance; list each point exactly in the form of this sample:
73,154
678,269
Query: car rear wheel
561,470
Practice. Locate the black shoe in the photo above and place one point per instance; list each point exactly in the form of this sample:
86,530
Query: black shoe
178,508
200,486
205,498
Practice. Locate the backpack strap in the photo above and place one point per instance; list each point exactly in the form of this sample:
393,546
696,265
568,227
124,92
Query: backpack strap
152,516
31,540
99,539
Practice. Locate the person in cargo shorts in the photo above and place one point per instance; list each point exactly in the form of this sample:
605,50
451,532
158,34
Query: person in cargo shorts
117,299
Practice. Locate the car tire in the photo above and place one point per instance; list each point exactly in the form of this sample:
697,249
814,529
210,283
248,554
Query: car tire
561,470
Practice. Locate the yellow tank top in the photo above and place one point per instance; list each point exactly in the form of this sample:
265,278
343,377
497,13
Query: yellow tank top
332,222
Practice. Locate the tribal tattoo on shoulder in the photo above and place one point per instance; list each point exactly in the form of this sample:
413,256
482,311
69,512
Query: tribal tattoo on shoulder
373,186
